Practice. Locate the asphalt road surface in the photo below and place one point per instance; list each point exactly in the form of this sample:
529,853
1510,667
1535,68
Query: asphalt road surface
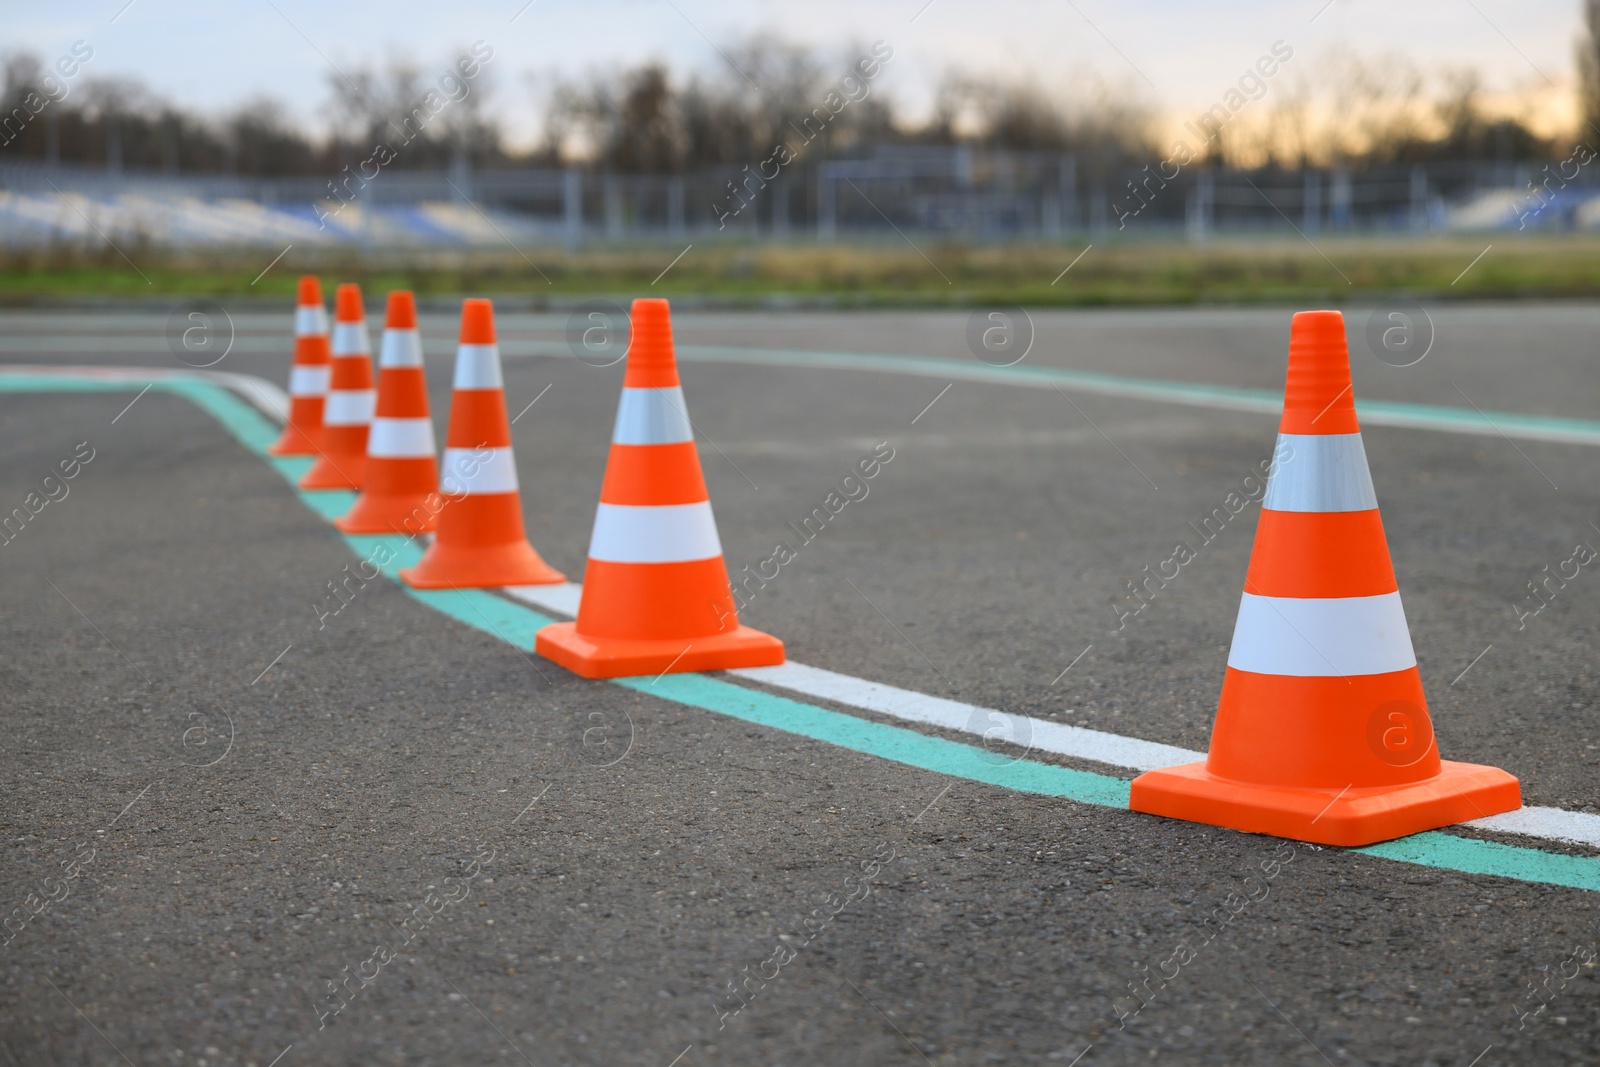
225,808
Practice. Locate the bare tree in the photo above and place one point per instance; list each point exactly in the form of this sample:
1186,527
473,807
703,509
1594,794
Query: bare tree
1589,74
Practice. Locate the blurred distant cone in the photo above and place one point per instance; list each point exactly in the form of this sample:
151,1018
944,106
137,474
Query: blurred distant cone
656,596
401,494
342,450
480,539
308,377
1323,733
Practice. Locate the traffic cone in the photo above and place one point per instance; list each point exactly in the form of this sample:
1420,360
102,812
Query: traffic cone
1322,733
342,451
308,377
656,596
481,540
401,494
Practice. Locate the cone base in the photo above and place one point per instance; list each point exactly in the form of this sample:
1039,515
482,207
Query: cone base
389,514
294,441
618,657
446,566
1348,817
325,474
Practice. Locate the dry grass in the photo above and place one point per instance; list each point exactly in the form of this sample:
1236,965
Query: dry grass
877,274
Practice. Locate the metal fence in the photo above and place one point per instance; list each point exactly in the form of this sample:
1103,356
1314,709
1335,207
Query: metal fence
958,193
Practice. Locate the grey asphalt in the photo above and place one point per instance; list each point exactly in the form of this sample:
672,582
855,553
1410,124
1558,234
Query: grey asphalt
381,754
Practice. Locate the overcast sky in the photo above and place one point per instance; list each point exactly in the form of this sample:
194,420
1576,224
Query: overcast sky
1180,55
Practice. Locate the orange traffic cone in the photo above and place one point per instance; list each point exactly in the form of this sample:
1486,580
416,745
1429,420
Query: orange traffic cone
656,596
342,452
401,494
308,377
1322,732
481,540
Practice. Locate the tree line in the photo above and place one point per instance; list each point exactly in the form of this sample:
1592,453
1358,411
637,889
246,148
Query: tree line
1343,110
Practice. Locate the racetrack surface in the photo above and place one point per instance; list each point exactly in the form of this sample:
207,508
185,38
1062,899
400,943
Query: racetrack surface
370,761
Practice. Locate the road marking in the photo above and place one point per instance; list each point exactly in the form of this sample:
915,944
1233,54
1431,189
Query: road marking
1192,394
1059,738
516,625
1437,418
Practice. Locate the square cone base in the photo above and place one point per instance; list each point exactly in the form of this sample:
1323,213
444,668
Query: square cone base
452,566
325,473
403,515
293,442
620,657
1347,817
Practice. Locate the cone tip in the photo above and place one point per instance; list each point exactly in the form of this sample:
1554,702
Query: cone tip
347,306
653,309
1317,393
1322,325
477,321
309,291
652,364
402,311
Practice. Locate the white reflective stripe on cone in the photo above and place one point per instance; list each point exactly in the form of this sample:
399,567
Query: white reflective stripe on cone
652,417
349,407
662,533
478,367
400,439
350,339
308,381
310,320
400,348
1320,472
478,471
1321,637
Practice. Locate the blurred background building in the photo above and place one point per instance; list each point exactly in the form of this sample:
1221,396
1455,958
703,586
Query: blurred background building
650,154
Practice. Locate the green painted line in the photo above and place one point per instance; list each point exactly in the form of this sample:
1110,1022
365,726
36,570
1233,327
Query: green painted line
1261,401
293,468
478,608
882,740
1472,856
329,503
517,624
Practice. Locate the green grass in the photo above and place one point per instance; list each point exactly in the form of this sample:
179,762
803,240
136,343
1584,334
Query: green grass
879,274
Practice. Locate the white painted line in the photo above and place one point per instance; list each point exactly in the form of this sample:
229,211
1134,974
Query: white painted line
953,715
1439,419
270,399
561,599
1551,824
1554,824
